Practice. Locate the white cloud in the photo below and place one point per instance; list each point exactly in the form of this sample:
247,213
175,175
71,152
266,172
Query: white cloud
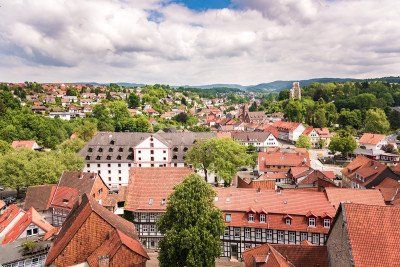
156,41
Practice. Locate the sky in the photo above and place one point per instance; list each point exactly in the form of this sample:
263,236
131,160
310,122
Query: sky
189,42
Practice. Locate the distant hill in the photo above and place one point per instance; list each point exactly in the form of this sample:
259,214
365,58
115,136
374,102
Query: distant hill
281,85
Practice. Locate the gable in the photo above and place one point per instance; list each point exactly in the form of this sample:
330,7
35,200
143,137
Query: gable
146,143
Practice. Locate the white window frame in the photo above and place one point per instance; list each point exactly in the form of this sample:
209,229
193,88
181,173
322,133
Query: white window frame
313,220
250,217
228,215
327,223
262,218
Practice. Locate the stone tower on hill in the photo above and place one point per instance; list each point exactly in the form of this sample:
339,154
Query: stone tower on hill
295,92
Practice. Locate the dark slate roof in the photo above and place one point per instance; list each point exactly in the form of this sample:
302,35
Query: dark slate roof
117,147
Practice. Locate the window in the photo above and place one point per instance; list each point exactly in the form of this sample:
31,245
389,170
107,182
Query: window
139,151
292,237
109,171
311,222
109,165
228,217
280,236
236,232
258,233
120,149
143,216
288,221
174,157
152,228
129,165
98,165
90,149
145,228
119,171
151,158
247,232
119,179
152,216
269,234
226,233
164,151
250,217
110,149
327,223
100,190
109,179
151,151
29,232
108,157
185,149
87,157
262,218
175,149
315,238
152,165
100,149
164,158
88,165
303,236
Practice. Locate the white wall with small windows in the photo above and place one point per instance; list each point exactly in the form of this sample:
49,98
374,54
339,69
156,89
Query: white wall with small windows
32,230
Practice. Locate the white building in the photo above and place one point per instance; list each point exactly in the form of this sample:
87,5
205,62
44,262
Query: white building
260,140
112,154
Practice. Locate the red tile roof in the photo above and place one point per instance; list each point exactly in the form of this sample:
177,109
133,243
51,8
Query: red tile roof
287,255
286,126
77,218
285,202
8,216
281,157
30,217
371,139
147,188
373,234
24,144
111,246
367,196
322,132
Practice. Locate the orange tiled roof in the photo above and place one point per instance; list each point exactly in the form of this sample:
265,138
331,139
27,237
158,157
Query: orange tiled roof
286,126
278,157
78,217
367,196
304,254
23,144
147,187
31,216
8,215
373,234
371,139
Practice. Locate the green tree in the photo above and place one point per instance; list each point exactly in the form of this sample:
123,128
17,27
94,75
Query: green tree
294,111
72,145
376,121
191,225
133,100
253,107
320,120
304,141
221,156
342,142
86,130
4,147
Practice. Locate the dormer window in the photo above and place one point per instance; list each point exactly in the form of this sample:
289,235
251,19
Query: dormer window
163,201
174,157
262,218
88,157
110,149
98,157
327,223
250,217
130,149
119,157
100,149
151,201
90,149
311,222
185,149
108,157
288,221
120,149
228,217
112,142
175,149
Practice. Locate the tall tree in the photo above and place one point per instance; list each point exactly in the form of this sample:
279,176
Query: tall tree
191,225
343,142
376,121
133,100
304,141
221,156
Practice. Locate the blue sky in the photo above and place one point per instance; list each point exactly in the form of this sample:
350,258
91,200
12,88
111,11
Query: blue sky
204,4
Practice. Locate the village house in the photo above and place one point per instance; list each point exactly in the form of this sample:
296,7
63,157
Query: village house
288,131
319,137
372,146
281,159
16,223
252,216
363,172
372,141
259,140
112,154
364,235
29,144
55,202
94,236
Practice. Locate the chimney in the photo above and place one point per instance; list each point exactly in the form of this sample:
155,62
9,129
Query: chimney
104,261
